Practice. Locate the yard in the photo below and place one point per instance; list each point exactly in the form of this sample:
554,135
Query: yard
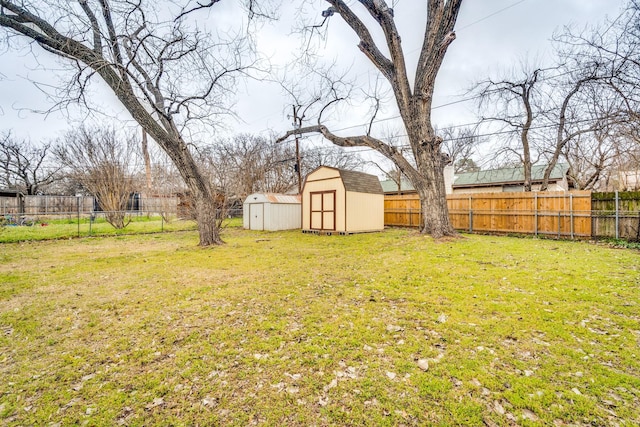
292,329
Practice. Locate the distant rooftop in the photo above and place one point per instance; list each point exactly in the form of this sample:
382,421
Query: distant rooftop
507,176
486,178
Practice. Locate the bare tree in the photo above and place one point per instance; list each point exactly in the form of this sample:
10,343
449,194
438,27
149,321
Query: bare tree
247,164
590,158
104,163
424,164
615,44
515,104
546,110
313,158
26,167
459,144
166,73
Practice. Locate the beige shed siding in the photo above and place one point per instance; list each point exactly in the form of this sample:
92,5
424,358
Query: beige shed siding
358,207
365,212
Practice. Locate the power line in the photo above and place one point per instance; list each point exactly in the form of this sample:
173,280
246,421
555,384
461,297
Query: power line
447,104
496,133
417,49
490,15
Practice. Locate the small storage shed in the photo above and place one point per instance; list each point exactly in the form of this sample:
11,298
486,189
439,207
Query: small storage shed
342,201
271,212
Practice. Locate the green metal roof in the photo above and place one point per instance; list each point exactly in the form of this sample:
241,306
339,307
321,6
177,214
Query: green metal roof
489,177
390,186
507,176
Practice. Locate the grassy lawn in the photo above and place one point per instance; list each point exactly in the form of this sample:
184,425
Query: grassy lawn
72,227
288,329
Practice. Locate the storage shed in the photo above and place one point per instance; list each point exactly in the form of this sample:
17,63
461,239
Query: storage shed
271,212
342,201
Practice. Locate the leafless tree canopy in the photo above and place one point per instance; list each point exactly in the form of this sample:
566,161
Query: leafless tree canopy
460,143
170,76
104,163
424,163
247,164
574,111
26,167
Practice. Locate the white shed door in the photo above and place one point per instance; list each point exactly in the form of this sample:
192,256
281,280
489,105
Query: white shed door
256,217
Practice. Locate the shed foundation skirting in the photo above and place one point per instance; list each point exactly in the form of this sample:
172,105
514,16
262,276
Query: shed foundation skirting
341,233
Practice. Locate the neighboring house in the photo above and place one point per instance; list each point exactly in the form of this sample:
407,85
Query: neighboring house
390,187
507,180
493,181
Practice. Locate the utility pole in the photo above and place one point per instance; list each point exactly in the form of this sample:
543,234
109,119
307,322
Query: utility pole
297,123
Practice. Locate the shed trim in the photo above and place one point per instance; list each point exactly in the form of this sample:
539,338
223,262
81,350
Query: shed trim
322,211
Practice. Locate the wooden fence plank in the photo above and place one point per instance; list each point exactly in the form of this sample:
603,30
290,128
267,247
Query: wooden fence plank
549,213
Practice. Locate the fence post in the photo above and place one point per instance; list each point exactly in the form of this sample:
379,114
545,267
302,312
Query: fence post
535,213
78,205
617,215
558,224
571,213
470,214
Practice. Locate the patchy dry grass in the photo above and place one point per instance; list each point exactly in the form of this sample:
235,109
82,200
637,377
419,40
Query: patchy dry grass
292,329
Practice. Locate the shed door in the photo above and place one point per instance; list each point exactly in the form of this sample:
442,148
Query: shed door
256,216
323,210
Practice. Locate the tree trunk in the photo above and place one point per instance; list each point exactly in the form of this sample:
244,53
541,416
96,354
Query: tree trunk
147,161
208,221
206,208
431,189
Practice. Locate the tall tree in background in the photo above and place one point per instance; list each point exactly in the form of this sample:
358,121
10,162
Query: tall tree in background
247,164
165,72
546,109
460,143
424,164
25,167
578,109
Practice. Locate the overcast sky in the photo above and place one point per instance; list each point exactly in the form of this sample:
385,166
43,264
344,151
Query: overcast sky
492,35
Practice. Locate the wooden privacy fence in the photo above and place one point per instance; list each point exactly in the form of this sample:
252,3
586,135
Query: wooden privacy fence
616,215
550,213
60,205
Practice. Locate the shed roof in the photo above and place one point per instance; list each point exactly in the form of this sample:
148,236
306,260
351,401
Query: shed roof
360,182
508,176
357,182
273,198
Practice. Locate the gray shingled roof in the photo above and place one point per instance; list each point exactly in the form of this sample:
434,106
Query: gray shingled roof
360,182
507,176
